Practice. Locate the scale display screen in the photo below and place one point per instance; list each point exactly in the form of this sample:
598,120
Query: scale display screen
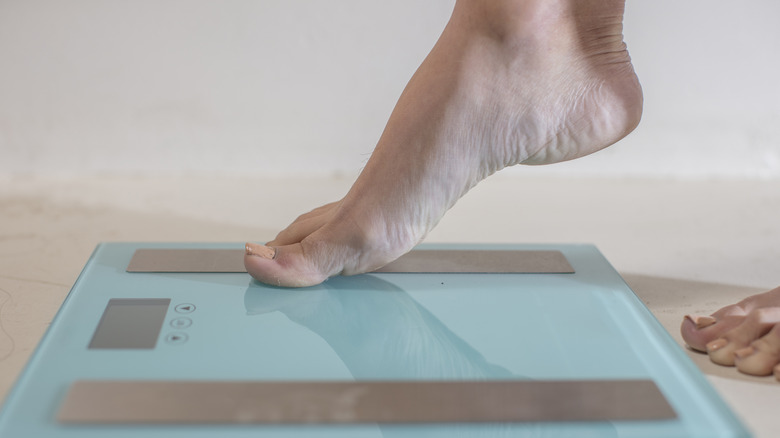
130,323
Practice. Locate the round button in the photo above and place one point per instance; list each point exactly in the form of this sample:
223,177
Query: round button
176,338
185,308
181,322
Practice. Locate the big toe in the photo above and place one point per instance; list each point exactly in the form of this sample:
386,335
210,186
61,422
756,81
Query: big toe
698,331
287,265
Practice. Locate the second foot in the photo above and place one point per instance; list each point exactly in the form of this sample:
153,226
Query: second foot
745,335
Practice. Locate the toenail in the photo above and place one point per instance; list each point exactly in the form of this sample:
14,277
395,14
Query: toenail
254,249
716,344
701,321
744,352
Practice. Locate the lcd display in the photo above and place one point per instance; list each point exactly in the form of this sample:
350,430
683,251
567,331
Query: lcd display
130,323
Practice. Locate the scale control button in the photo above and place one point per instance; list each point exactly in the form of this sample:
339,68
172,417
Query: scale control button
181,322
185,308
176,338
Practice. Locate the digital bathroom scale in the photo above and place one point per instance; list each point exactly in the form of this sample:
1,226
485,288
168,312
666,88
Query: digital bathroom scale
177,340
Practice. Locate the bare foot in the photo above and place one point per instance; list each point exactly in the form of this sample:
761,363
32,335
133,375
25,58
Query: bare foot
508,82
745,335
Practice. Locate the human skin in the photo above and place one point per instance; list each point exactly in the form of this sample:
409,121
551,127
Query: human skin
508,82
745,335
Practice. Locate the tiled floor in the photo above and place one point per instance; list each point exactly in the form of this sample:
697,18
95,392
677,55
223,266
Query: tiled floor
684,247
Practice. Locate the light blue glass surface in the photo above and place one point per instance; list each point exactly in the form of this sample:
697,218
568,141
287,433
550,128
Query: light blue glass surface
587,325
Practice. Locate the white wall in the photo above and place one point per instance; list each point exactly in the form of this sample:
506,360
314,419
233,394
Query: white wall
286,86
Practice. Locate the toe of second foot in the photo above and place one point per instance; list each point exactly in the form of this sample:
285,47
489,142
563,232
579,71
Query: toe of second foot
692,336
721,351
755,363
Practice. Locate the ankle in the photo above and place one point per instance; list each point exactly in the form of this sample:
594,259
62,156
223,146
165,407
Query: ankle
585,25
505,20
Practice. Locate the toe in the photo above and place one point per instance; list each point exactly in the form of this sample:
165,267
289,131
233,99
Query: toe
298,230
286,265
304,225
762,356
319,211
755,325
698,331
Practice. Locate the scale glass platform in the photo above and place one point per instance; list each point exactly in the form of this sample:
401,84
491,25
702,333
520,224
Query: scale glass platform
177,340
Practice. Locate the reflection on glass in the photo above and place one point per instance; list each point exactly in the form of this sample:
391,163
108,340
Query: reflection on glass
380,332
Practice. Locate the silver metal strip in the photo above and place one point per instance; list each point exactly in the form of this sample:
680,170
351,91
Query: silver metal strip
187,260
417,261
322,402
481,261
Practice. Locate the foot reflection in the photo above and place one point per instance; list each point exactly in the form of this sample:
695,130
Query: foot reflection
377,329
380,332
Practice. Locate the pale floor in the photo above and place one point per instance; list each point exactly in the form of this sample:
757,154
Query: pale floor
684,247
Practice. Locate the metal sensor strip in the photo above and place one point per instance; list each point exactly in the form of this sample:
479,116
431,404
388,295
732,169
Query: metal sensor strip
187,260
417,261
480,261
322,402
